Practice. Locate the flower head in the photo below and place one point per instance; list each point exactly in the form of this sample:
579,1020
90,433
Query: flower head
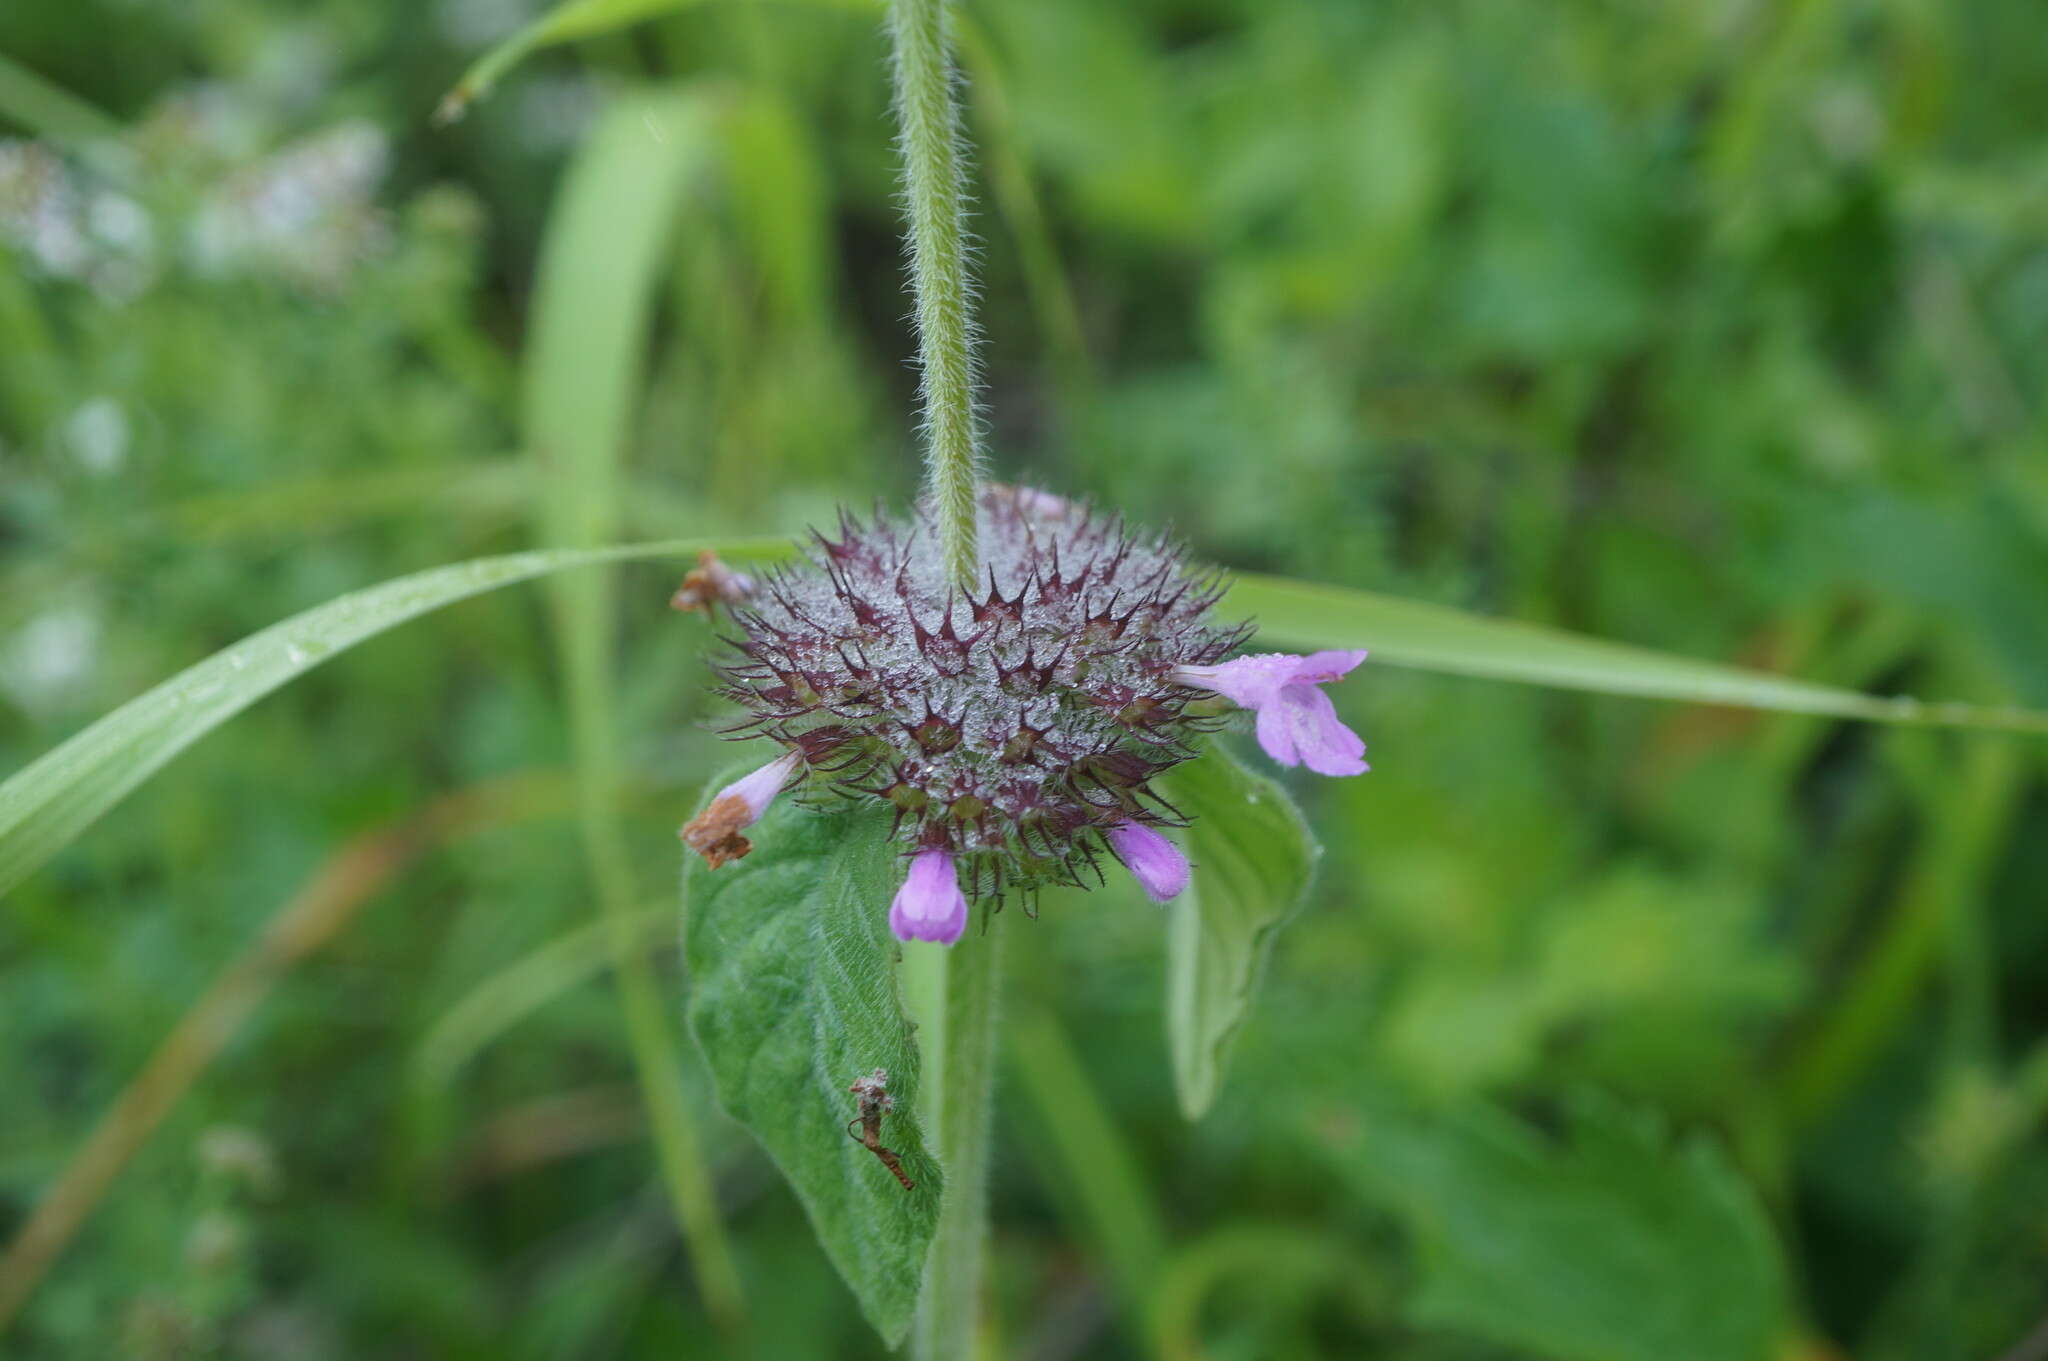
1013,725
1013,728
930,905
1156,863
1297,724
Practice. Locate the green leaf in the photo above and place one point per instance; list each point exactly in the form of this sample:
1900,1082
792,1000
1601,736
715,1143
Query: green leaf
1437,638
793,995
1610,1245
48,803
1253,857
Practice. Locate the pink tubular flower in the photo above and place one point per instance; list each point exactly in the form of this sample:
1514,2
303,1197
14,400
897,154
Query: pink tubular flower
715,833
1297,723
930,905
759,789
1156,863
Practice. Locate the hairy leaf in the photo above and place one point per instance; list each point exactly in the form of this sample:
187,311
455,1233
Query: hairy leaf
794,995
1611,1245
1253,857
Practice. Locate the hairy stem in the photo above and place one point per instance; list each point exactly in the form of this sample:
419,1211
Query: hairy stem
934,175
958,1030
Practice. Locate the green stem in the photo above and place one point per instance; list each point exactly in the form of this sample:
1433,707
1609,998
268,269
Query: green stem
934,174
960,1019
958,1033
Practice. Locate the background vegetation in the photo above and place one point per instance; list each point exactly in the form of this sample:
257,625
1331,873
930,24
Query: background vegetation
1612,1030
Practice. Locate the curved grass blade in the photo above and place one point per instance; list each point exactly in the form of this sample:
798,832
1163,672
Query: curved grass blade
1310,1266
601,265
1430,637
44,109
568,23
49,802
498,1003
1095,1176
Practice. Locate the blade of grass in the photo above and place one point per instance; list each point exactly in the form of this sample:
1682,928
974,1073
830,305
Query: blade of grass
1430,637
1301,1259
548,1128
1084,1159
46,804
599,270
312,917
1964,831
500,1001
43,109
565,23
571,22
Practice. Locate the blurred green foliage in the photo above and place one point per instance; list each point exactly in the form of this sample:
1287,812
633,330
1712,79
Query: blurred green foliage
1720,328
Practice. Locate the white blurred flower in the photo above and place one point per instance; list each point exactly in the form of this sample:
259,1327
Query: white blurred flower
306,214
99,238
39,210
216,1242
97,435
120,222
44,665
241,1154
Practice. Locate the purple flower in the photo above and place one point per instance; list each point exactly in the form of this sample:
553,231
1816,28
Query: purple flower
715,832
930,905
1156,863
1297,723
